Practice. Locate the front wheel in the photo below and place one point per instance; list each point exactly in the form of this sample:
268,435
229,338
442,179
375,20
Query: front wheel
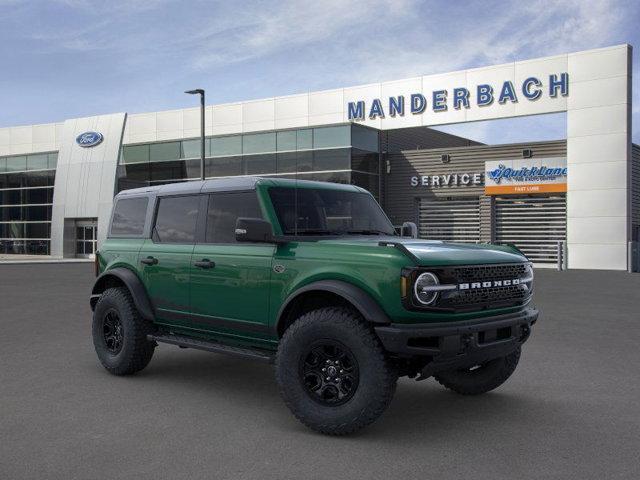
480,378
333,373
120,333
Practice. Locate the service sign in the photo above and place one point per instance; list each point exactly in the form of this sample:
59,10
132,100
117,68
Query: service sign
526,176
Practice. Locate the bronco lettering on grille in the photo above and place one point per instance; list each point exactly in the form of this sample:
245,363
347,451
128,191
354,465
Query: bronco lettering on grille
493,283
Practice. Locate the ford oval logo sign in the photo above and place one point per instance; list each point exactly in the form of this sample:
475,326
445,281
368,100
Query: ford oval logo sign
89,139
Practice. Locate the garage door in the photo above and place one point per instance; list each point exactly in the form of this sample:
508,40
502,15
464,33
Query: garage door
534,224
452,219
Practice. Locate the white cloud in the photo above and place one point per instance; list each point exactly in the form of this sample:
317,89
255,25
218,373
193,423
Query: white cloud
290,24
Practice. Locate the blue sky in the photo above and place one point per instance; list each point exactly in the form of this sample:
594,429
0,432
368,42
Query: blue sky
71,58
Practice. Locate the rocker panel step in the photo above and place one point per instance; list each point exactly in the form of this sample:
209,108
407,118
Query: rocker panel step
216,347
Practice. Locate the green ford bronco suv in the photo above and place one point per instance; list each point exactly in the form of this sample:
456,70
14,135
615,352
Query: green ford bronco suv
310,276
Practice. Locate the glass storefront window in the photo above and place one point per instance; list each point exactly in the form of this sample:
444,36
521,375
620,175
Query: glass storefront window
12,230
162,152
192,168
27,196
337,177
260,164
135,171
191,148
338,159
223,146
23,163
304,151
27,179
304,139
223,166
364,138
286,141
11,181
37,230
135,153
39,179
287,162
19,213
305,161
364,161
327,137
38,162
16,164
175,170
259,143
52,160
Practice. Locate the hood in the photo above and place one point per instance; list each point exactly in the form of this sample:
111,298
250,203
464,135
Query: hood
441,253
437,253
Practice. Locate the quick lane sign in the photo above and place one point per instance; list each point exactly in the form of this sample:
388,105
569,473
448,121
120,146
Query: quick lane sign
526,176
530,89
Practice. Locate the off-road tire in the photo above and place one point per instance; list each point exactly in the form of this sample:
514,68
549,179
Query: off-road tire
136,351
376,379
483,379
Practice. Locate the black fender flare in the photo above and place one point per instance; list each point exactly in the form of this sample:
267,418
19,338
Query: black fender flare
361,300
133,284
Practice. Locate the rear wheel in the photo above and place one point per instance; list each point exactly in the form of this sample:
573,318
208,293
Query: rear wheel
120,333
480,378
333,373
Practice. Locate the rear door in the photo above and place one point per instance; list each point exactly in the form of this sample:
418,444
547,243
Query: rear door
229,280
165,258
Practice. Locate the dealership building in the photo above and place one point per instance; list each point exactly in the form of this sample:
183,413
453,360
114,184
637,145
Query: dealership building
574,201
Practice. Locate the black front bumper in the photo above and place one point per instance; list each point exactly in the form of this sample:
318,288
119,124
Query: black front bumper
450,345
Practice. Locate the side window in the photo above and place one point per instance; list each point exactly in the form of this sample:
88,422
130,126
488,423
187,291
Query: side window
176,219
224,210
128,216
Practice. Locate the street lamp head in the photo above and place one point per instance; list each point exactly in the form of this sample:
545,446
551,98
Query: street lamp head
199,91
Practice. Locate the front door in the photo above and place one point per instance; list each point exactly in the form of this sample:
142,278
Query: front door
86,238
165,259
229,280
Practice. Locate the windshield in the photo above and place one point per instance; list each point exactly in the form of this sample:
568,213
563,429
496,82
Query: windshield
328,212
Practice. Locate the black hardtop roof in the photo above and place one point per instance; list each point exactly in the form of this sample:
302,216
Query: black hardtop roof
229,185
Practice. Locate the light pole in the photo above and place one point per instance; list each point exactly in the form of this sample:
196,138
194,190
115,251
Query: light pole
200,92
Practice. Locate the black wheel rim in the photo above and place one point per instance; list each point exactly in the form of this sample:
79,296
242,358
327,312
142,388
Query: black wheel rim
112,332
329,373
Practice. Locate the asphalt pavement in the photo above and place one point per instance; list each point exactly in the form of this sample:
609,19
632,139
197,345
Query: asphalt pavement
570,411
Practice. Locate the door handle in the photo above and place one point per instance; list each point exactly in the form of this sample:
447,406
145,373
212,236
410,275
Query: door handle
205,263
149,261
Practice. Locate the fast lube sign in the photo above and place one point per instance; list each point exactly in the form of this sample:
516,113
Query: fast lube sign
458,98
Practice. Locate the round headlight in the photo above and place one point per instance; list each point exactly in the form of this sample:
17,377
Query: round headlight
528,277
421,289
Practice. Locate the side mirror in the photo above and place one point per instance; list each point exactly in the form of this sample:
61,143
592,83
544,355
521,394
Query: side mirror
255,230
409,229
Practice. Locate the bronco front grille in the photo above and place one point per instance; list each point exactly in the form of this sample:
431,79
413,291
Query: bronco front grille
488,272
479,287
